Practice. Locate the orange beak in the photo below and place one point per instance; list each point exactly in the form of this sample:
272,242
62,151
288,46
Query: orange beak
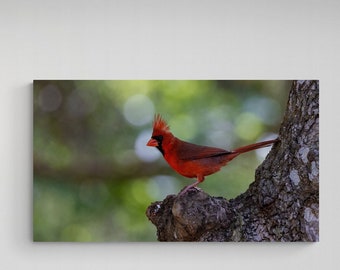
152,142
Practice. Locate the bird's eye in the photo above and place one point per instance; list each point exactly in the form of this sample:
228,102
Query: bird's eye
158,138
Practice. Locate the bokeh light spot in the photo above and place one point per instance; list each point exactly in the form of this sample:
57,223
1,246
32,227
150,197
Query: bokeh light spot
265,108
49,98
162,185
183,126
80,103
145,153
139,110
138,192
248,126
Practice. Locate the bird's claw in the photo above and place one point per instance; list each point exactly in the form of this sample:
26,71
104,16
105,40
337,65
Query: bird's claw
187,188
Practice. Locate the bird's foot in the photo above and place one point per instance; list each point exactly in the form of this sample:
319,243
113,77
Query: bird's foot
194,185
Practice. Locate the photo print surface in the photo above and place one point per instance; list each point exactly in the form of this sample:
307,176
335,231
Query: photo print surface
175,160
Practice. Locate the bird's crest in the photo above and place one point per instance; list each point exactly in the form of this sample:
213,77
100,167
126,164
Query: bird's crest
160,125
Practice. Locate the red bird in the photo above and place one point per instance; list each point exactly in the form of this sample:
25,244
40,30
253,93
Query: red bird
192,160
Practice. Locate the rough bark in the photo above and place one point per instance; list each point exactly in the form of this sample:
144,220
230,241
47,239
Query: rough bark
282,204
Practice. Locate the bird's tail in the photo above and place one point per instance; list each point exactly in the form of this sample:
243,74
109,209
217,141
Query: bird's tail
254,146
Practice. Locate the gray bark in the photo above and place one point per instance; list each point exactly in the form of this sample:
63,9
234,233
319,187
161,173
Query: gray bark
282,204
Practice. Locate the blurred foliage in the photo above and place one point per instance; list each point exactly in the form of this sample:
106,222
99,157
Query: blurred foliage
93,175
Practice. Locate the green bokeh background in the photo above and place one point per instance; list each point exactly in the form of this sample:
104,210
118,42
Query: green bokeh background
93,175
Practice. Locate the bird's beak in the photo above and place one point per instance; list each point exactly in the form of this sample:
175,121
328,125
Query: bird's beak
152,142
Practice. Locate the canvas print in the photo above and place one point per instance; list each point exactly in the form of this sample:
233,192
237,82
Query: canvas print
175,160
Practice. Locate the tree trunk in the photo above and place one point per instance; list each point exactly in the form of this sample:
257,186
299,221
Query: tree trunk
282,204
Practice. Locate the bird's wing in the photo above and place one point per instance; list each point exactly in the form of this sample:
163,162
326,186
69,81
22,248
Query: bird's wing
189,151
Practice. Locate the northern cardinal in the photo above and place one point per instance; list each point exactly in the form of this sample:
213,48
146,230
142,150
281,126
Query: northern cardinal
192,160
